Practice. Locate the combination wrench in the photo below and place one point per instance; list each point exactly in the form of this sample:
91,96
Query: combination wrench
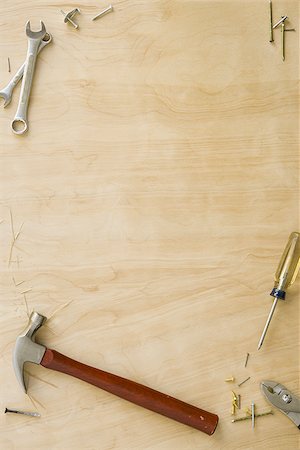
6,93
20,124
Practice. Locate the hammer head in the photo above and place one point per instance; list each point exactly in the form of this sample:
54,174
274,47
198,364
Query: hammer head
26,349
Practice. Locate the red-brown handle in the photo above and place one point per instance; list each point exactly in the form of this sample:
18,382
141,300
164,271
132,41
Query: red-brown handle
133,392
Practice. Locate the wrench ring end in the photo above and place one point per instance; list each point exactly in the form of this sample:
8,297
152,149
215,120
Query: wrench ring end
19,126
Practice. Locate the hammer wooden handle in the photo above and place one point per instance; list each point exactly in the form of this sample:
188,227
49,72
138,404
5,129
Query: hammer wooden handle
133,392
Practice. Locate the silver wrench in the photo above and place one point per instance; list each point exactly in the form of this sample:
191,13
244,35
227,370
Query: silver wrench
19,125
6,93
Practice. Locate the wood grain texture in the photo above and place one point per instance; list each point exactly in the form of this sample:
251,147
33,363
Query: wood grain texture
154,194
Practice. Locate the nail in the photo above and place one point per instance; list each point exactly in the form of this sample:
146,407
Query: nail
283,41
70,15
8,61
253,414
25,413
271,31
283,18
105,11
240,384
247,357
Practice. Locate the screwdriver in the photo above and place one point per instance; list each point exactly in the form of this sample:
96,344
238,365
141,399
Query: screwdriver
285,276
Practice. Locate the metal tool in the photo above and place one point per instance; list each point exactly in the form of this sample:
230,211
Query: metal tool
19,124
285,276
25,413
27,350
6,93
69,16
104,12
283,399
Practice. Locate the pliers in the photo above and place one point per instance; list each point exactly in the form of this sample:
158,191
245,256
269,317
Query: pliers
283,399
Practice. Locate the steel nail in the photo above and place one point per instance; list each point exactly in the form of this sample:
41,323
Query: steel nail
105,11
25,413
69,15
248,354
240,384
283,18
271,25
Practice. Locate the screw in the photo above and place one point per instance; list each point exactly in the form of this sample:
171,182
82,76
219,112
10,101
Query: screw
230,379
287,398
234,403
105,11
15,411
250,417
70,15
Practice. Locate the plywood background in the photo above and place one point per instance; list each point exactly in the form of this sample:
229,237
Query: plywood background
154,194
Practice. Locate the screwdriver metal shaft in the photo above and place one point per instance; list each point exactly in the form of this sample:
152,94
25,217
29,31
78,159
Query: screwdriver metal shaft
285,276
262,338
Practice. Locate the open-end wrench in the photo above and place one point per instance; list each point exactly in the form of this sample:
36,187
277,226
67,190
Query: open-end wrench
6,93
19,125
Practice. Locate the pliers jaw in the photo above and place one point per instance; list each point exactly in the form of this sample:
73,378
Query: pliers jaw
283,399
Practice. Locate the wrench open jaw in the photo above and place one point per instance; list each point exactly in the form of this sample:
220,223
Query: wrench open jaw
35,34
6,93
19,124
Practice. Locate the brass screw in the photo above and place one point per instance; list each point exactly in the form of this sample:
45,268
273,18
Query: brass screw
250,416
231,379
234,404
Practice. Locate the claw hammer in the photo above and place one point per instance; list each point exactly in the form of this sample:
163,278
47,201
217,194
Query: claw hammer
27,350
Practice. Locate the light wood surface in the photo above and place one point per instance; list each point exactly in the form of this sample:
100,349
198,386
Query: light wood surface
151,200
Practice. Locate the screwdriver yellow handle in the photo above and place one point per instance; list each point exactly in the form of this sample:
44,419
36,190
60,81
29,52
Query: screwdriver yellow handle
288,267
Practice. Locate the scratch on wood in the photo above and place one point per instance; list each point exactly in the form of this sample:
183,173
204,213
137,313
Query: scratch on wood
27,290
60,309
18,233
42,380
34,401
12,224
14,238
17,284
50,329
26,304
